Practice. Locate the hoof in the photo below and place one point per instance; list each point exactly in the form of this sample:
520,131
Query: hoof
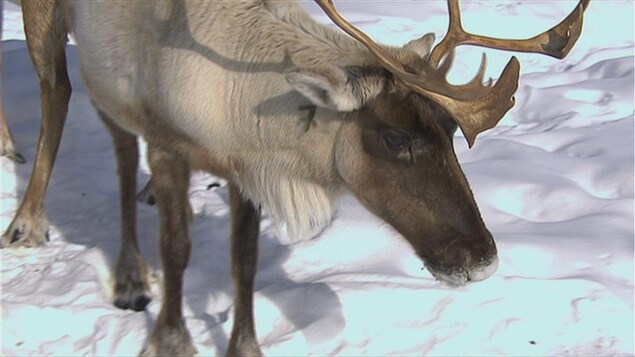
26,232
14,156
131,282
246,351
169,341
137,303
147,199
243,342
146,195
7,148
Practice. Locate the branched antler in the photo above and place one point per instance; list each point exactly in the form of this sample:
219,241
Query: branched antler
556,42
474,106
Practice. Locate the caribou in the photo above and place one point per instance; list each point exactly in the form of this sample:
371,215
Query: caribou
291,112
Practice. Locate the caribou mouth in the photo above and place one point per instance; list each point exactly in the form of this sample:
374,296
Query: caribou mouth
462,276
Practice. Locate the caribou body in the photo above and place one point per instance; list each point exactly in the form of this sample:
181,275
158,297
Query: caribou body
290,112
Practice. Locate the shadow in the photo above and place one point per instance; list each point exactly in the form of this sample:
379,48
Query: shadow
306,306
312,308
82,205
175,32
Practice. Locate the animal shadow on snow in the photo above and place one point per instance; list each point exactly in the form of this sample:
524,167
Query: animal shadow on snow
82,205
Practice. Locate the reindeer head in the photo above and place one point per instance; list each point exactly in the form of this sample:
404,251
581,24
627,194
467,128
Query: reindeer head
395,150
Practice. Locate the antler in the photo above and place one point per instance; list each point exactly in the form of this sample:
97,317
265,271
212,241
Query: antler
474,106
556,42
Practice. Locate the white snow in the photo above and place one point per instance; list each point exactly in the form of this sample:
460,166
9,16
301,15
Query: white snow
554,183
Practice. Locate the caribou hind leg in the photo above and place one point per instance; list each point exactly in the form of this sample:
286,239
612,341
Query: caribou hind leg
46,34
7,148
131,285
244,252
171,175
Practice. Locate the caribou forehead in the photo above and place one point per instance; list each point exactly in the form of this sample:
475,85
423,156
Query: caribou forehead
400,108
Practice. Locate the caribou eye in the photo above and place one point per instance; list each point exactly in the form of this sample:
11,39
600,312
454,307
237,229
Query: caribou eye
396,141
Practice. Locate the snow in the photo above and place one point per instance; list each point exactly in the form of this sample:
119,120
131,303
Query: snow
554,183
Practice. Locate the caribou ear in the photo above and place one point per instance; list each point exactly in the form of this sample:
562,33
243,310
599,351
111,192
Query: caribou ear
342,89
421,46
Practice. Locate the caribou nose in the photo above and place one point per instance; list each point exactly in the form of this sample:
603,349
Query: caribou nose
476,265
469,253
464,261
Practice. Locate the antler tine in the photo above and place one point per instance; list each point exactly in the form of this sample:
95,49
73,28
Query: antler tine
555,42
454,36
443,69
474,107
478,78
476,85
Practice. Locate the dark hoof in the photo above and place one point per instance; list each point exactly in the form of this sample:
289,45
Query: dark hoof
17,235
132,291
146,195
15,157
122,304
7,149
150,200
139,303
213,185
26,233
131,282
147,198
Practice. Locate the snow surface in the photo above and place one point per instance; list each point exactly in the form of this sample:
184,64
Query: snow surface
554,183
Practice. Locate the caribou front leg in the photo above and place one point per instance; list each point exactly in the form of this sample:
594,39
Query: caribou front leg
171,175
131,274
46,39
244,250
